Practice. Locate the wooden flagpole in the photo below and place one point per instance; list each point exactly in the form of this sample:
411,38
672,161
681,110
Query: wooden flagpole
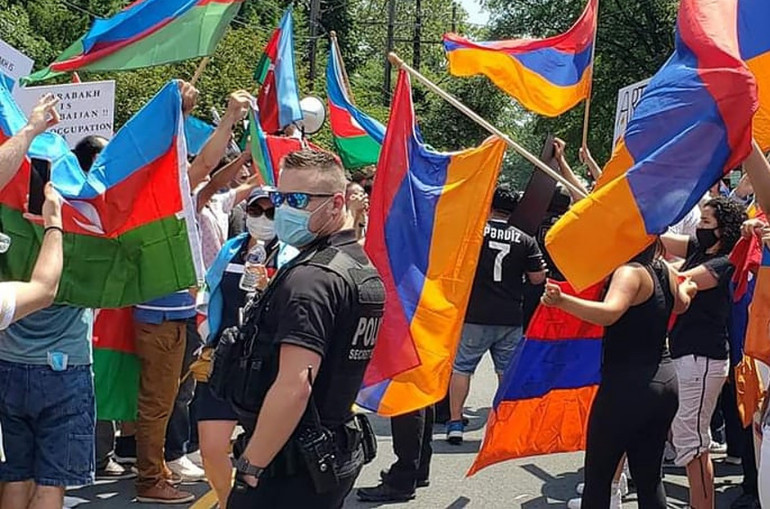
201,67
396,61
335,44
587,111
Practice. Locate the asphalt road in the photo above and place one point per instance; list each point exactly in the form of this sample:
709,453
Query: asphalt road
532,483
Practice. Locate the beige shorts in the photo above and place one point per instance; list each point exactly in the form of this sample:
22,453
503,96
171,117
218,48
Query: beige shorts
700,383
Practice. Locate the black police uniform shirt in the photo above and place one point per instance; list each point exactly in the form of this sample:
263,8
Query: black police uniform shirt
507,254
314,308
703,329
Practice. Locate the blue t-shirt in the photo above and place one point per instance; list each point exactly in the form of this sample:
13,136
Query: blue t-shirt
56,329
176,306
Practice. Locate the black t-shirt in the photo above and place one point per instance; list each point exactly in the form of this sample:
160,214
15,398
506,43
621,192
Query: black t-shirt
702,330
506,255
315,308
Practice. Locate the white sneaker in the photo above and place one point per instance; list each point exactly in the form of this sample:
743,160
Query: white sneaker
187,470
717,448
616,501
622,484
669,453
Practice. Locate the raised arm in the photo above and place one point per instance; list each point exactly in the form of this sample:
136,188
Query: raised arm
623,290
588,160
559,147
215,147
41,289
13,151
758,170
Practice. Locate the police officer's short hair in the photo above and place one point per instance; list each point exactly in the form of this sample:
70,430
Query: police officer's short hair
324,162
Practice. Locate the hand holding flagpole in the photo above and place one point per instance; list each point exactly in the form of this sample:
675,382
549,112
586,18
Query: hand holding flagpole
397,62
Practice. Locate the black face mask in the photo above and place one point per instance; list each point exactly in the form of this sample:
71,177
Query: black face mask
707,237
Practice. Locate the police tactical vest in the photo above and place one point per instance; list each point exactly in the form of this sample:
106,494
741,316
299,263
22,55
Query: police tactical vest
257,364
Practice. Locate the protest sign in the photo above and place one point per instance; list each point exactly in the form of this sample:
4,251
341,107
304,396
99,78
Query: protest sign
13,65
628,98
85,108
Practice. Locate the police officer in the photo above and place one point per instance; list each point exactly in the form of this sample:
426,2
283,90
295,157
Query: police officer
302,351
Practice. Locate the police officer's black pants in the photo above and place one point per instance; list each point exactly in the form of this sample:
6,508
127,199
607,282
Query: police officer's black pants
412,437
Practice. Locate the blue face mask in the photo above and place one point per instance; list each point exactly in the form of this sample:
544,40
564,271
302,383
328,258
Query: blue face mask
292,226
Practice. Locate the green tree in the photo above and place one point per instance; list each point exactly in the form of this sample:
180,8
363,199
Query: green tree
635,38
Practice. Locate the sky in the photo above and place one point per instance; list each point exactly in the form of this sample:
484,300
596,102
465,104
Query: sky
476,13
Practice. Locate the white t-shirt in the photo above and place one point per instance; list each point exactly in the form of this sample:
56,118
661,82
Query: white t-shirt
688,224
213,222
7,304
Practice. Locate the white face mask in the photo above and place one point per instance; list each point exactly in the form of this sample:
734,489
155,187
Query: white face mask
261,228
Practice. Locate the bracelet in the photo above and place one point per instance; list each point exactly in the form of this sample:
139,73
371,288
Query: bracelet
49,228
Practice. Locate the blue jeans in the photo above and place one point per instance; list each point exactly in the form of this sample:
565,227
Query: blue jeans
500,340
48,419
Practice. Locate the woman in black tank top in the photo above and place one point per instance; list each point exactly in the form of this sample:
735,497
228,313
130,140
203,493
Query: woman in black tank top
637,397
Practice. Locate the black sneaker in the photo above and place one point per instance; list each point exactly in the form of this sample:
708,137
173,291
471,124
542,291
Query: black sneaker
114,472
125,450
421,483
384,493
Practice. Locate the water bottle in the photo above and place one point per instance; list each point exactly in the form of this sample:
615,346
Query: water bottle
254,271
5,243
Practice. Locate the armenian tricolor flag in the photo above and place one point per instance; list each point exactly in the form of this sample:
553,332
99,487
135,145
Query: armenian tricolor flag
692,125
543,403
547,76
427,218
754,40
278,98
129,225
146,33
357,136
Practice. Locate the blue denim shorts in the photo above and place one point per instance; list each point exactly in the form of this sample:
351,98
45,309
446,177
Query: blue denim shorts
48,419
500,340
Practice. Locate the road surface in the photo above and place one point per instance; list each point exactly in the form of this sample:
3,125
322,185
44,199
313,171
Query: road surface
533,483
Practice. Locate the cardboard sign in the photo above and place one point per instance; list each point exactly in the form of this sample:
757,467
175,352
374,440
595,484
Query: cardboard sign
13,65
85,108
628,98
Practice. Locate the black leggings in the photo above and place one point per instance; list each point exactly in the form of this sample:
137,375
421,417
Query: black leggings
631,414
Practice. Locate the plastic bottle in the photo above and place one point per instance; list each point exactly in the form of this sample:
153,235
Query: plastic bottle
254,269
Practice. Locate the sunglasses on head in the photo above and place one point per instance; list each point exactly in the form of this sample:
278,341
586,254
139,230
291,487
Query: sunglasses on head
295,200
257,211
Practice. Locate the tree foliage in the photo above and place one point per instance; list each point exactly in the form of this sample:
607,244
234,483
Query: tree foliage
635,38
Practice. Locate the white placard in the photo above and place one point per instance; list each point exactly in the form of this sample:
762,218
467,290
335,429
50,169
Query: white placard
85,108
13,65
628,98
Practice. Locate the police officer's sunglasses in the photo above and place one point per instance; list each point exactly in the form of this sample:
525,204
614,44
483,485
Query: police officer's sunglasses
295,200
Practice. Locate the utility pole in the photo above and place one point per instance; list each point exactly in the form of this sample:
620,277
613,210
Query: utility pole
454,17
417,33
388,49
315,7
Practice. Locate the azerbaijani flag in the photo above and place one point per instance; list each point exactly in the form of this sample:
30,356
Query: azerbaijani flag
130,233
754,41
692,124
116,366
547,76
427,218
278,98
146,33
543,403
357,136
260,153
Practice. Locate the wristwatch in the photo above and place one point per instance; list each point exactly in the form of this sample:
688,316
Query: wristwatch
243,466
